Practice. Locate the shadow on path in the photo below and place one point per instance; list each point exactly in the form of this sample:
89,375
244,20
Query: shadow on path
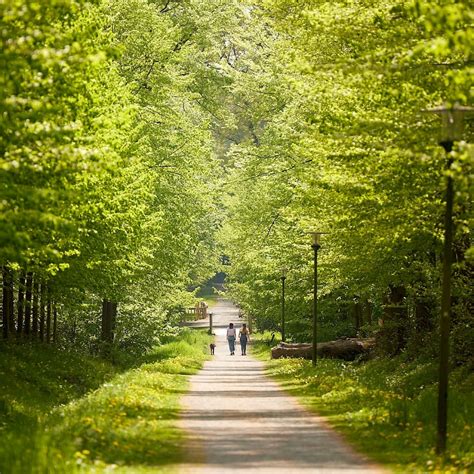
240,420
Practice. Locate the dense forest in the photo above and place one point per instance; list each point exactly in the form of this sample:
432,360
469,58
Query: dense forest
339,143
108,174
144,143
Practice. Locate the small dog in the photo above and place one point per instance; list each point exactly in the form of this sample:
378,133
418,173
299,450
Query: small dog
212,347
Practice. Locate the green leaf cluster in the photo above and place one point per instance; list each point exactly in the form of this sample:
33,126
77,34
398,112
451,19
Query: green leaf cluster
333,138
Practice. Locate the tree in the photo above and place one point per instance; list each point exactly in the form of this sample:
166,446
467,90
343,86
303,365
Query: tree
340,145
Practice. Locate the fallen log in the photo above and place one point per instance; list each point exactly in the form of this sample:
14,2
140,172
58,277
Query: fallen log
346,349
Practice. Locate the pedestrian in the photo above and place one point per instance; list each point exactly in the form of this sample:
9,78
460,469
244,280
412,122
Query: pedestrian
231,333
244,336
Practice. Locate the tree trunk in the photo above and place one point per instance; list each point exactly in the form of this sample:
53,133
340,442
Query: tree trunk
109,314
35,308
28,297
392,337
4,306
7,303
55,323
346,349
74,330
423,316
11,309
21,302
42,313
357,309
368,311
48,316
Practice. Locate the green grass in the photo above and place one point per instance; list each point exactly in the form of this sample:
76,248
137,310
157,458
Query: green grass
65,413
385,407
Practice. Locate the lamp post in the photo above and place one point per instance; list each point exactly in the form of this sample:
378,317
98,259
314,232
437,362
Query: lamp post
452,127
316,236
283,279
210,323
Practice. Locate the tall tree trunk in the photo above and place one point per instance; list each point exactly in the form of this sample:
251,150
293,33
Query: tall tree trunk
423,316
42,314
21,302
104,321
368,311
393,335
109,314
357,308
74,330
48,316
28,296
35,307
55,323
7,303
11,309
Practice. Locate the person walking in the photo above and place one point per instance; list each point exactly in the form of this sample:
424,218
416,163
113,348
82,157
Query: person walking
231,336
244,336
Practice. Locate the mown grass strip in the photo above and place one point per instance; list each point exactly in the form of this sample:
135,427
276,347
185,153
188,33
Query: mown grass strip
385,407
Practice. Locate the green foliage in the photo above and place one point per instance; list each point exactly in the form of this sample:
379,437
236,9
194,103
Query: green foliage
58,415
109,191
385,407
140,139
33,380
333,138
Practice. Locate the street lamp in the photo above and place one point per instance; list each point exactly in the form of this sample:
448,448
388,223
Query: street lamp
210,323
316,236
283,279
452,119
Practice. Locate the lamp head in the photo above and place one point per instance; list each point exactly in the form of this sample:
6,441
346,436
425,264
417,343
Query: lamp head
284,271
452,124
316,237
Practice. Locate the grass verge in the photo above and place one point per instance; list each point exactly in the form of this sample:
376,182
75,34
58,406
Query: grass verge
65,413
385,407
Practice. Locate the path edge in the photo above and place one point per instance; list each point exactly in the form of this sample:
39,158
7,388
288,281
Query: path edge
332,431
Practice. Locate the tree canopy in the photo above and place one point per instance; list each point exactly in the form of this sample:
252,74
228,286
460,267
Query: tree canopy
143,139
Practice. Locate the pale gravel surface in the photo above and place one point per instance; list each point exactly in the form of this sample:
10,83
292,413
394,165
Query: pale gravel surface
239,420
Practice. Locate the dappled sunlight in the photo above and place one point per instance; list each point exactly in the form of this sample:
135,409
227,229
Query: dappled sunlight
239,420
171,168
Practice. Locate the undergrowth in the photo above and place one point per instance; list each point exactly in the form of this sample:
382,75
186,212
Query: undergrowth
63,413
385,407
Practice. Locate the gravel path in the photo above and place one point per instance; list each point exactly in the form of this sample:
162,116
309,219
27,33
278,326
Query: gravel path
239,420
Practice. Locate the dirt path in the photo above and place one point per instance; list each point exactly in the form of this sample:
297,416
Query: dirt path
241,421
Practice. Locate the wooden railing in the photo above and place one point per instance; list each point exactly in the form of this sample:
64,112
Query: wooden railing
197,312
